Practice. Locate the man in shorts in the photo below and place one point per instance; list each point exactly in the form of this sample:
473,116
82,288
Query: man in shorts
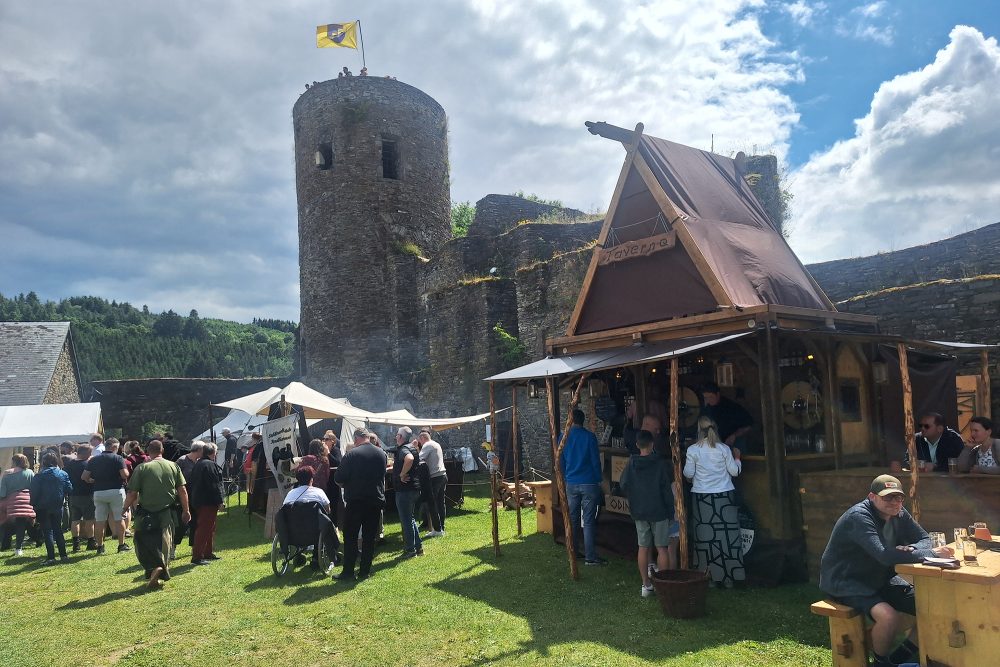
858,565
81,500
107,474
647,482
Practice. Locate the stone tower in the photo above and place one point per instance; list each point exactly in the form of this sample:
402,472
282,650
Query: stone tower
371,173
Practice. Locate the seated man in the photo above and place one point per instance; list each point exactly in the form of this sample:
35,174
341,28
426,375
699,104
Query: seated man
305,492
936,442
858,565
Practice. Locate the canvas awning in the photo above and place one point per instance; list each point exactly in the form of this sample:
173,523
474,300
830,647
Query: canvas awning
38,425
405,418
612,358
316,405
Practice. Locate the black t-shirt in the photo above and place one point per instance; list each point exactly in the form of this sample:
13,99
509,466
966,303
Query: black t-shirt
412,482
362,473
74,468
231,446
729,415
106,470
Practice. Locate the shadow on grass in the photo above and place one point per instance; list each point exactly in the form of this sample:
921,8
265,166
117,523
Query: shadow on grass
531,580
104,599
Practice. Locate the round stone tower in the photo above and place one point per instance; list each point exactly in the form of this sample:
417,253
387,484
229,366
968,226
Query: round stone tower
371,174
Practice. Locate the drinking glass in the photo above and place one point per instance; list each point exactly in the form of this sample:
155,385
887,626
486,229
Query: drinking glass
969,551
960,534
981,531
937,540
952,466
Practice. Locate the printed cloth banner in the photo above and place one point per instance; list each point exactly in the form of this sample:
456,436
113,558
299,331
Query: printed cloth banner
279,448
337,34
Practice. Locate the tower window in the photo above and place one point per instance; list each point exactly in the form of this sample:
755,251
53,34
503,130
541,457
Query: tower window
390,160
324,156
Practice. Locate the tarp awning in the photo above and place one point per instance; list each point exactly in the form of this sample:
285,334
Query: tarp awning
612,358
38,425
404,418
315,405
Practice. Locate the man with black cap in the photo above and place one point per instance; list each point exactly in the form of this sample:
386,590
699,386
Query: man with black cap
858,565
362,476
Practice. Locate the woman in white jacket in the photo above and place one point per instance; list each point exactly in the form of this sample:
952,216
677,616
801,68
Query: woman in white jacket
711,466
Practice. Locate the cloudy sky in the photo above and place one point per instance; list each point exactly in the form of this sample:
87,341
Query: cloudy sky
146,148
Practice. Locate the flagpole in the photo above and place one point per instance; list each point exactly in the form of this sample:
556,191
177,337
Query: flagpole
362,38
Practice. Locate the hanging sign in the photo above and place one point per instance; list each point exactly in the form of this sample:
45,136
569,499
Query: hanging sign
638,248
279,448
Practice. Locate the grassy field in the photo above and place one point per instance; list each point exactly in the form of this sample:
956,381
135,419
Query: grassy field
457,605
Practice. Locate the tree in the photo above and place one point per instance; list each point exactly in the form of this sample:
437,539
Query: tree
168,325
462,215
194,328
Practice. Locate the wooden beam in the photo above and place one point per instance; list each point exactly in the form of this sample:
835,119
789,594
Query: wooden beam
517,456
672,212
613,132
984,381
550,391
774,430
908,431
581,298
680,512
830,351
493,477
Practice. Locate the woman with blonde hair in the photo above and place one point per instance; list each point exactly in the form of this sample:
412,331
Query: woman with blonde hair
711,466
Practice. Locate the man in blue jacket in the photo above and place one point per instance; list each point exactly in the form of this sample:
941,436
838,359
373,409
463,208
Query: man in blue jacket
49,489
858,565
581,467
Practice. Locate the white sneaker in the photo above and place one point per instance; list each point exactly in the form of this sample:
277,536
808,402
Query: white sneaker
647,592
434,533
18,552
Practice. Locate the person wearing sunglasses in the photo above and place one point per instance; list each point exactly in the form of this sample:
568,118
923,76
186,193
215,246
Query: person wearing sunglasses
936,443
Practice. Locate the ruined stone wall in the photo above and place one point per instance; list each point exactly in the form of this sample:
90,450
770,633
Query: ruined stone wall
496,214
63,388
180,402
974,253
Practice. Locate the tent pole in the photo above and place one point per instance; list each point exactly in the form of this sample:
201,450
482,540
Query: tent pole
675,453
211,423
908,430
550,390
559,476
517,458
984,380
493,475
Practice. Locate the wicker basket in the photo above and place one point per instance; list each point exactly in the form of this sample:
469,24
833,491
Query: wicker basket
681,592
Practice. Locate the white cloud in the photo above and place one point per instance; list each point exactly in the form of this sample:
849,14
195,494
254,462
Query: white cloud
872,22
921,166
804,13
150,132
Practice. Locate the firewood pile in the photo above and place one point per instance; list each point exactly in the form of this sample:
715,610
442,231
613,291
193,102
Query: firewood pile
508,498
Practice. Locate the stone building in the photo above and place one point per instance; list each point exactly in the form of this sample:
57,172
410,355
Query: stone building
37,364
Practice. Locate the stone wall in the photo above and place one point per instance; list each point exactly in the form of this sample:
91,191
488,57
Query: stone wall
64,387
974,253
180,402
496,214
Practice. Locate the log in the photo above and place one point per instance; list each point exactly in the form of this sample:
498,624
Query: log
493,476
911,442
517,458
675,451
557,450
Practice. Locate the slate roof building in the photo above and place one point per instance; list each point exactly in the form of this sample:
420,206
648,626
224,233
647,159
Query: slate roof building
37,364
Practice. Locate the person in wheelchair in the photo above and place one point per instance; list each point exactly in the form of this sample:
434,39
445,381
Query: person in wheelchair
305,516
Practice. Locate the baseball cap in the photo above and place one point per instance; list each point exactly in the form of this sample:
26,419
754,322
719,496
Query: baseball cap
885,485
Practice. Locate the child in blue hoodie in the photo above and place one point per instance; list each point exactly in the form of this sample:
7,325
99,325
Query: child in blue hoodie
647,482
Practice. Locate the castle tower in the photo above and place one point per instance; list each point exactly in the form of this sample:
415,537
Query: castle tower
371,173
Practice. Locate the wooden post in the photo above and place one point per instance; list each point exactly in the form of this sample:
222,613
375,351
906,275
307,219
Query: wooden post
211,423
911,443
493,476
984,381
517,457
675,452
831,410
774,433
550,390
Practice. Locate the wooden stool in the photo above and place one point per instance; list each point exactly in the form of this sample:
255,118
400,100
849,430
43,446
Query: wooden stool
848,637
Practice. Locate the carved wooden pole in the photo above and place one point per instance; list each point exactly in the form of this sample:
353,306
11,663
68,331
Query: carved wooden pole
911,443
984,380
517,457
493,475
675,453
557,450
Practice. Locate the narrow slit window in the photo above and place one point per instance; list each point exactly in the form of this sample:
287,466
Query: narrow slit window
390,160
324,156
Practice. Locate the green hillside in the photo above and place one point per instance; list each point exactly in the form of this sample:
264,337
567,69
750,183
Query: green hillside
117,341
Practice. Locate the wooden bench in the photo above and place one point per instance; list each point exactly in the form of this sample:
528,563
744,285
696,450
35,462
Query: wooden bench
848,636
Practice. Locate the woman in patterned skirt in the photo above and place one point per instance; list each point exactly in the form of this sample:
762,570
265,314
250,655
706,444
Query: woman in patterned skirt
711,465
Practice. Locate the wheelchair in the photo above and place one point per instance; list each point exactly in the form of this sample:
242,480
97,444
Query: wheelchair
300,528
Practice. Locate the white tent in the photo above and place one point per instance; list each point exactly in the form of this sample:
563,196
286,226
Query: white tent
40,425
236,421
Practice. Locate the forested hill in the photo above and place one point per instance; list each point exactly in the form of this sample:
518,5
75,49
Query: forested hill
117,341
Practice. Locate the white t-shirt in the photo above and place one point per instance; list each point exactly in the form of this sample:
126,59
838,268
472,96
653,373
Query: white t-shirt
431,454
711,468
306,494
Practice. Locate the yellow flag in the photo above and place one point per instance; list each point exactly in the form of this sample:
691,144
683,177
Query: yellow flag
337,34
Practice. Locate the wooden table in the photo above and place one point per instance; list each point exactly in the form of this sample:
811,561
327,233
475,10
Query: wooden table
958,611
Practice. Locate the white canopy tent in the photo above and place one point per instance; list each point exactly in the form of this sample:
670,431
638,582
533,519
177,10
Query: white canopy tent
40,425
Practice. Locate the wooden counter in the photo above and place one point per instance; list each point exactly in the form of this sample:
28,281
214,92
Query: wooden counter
958,611
946,501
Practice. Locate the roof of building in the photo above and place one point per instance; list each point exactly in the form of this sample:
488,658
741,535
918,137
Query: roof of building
28,355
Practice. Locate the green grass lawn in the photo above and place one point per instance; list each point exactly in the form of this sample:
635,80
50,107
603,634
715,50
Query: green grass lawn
458,605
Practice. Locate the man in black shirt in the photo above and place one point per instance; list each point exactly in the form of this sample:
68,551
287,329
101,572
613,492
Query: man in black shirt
937,443
362,476
732,418
229,452
81,500
107,474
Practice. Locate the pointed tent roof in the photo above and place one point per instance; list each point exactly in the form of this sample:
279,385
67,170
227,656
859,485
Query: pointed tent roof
685,235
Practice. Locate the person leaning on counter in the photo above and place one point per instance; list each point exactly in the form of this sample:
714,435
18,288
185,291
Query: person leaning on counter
936,442
982,452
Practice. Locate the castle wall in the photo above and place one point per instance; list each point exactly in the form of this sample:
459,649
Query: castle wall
63,388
